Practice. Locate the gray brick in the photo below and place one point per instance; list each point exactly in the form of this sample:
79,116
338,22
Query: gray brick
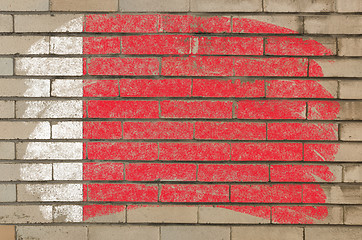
351,131
352,215
25,130
333,233
352,6
350,47
353,173
6,23
24,87
350,89
52,232
6,66
84,5
23,45
336,24
226,6
267,233
194,232
7,193
7,109
28,5
25,214
123,232
340,67
299,6
154,5
7,150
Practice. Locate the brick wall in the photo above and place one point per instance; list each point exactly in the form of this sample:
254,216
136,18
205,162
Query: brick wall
180,119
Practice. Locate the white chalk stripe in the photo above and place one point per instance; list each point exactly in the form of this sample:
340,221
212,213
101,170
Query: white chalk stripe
67,130
67,171
67,88
50,192
66,45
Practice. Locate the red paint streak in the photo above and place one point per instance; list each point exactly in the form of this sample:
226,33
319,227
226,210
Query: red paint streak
103,171
101,45
158,130
300,173
298,214
323,110
102,130
320,152
100,88
91,211
245,25
313,194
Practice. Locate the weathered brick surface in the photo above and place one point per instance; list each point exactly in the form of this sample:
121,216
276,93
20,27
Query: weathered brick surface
84,5
351,132
349,6
6,23
194,233
226,6
7,193
6,66
25,214
353,215
52,232
299,6
7,109
350,90
124,232
18,5
350,47
267,233
333,24
322,233
154,5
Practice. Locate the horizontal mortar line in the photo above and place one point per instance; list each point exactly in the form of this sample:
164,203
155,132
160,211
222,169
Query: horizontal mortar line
210,34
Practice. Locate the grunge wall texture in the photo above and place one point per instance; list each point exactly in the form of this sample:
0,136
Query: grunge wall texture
181,119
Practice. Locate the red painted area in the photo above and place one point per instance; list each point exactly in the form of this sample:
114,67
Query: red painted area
196,109
155,87
228,88
271,109
212,163
266,151
158,130
160,172
232,173
230,131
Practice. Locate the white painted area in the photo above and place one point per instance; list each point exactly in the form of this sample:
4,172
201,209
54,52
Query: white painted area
66,45
67,88
37,88
47,212
51,109
37,66
56,192
74,25
52,150
40,47
68,213
36,172
41,131
68,171
67,130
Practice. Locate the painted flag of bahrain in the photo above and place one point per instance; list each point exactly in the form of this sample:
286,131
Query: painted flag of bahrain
213,116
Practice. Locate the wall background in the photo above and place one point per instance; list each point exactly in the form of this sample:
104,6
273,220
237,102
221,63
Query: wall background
31,114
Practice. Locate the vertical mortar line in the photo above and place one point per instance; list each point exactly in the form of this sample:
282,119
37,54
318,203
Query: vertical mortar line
262,6
337,46
264,44
338,89
306,110
303,25
230,230
87,231
303,233
231,24
308,66
343,214
159,232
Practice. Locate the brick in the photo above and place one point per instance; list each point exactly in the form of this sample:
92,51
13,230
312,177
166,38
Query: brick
230,130
194,232
225,6
121,23
156,44
285,24
194,151
301,89
305,173
67,88
7,193
68,213
48,23
158,130
227,45
332,233
155,87
350,46
281,67
6,66
102,130
52,232
232,173
352,215
100,88
103,171
324,110
24,87
26,172
228,88
300,46
197,66
50,150
7,232
271,109
7,150
350,89
50,192
123,109
351,131
196,109
6,23
194,193
66,45
123,66
160,172
335,68
154,6
84,5
49,109
101,45
7,109
25,130
18,5
234,214
23,44
352,173
67,171
125,232
104,213
26,214
123,151
337,24
307,215
278,193
299,6
266,152
267,233
49,66
194,24
336,194
344,152
161,214
303,131
122,192
348,6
